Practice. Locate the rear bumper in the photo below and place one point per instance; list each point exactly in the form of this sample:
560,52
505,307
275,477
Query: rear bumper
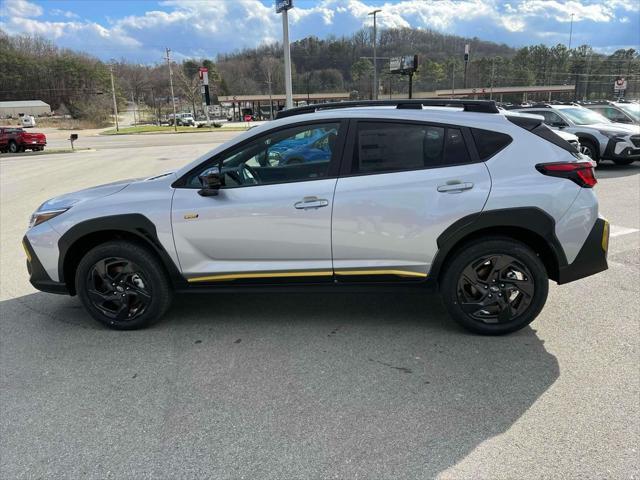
592,257
37,274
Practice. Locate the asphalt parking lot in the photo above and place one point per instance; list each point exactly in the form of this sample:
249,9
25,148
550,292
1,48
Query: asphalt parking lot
311,386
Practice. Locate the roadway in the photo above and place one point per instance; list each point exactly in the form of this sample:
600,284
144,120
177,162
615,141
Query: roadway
310,386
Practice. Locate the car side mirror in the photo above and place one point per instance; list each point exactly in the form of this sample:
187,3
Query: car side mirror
211,181
559,124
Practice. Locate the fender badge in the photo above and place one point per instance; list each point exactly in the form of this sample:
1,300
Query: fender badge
191,216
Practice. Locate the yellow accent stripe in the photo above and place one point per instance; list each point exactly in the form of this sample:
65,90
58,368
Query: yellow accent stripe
236,276
321,273
605,236
400,273
26,251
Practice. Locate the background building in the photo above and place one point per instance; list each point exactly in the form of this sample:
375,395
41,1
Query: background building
28,107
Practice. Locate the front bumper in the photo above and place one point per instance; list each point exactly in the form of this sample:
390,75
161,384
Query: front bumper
619,150
592,257
37,274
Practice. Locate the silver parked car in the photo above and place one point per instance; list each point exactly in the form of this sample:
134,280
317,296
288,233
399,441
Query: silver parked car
410,194
617,112
600,139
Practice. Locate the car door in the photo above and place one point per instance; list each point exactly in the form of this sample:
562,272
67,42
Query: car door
270,221
402,185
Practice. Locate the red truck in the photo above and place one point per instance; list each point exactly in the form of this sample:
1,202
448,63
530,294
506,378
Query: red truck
16,140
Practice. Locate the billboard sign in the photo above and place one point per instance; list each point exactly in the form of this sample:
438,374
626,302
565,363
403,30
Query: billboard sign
466,52
282,5
404,65
620,85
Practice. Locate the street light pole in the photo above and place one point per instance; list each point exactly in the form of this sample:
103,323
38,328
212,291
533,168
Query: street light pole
375,58
287,60
570,31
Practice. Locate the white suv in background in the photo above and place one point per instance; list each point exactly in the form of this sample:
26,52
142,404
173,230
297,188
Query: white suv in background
384,196
600,139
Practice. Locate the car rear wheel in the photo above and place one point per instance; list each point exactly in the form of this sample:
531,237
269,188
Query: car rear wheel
123,286
495,286
13,147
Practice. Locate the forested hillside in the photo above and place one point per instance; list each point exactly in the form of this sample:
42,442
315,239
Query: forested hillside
33,68
339,64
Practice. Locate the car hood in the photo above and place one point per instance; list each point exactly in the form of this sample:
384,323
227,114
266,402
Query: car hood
69,199
615,128
99,191
565,135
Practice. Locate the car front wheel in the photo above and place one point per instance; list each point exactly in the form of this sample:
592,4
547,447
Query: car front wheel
589,149
495,286
123,285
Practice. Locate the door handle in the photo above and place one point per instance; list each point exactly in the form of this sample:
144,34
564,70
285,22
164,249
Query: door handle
455,187
311,202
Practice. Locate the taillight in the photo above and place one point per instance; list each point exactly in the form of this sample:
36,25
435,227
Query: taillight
578,172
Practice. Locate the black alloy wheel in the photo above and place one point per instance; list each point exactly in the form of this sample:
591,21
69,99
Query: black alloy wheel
118,289
494,285
123,285
495,289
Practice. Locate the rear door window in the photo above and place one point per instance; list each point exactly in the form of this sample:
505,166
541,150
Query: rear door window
394,146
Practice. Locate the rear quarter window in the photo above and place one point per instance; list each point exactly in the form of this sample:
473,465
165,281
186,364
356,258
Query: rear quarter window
395,146
488,143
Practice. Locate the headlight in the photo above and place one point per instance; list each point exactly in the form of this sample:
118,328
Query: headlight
620,137
42,216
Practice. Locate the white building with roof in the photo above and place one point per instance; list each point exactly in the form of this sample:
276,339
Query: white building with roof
28,107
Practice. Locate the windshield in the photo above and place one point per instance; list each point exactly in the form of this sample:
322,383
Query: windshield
582,116
631,109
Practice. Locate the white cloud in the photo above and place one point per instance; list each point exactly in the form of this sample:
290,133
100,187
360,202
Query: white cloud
205,28
561,11
56,12
19,8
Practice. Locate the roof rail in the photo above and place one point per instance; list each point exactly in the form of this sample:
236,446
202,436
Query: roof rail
480,106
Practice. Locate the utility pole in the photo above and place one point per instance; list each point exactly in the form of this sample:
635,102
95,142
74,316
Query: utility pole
133,100
155,109
115,104
375,57
173,98
466,61
453,79
493,72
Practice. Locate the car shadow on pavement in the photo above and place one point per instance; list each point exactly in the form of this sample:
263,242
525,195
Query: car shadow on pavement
611,170
265,386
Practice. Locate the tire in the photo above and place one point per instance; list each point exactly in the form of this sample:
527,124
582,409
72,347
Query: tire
521,276
139,293
624,161
588,148
13,147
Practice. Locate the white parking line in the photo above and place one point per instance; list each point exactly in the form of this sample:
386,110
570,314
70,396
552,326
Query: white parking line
616,231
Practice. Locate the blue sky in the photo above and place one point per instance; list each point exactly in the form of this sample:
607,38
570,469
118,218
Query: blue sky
139,30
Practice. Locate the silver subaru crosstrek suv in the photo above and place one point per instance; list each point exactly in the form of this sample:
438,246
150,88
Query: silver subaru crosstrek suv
386,195
600,139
